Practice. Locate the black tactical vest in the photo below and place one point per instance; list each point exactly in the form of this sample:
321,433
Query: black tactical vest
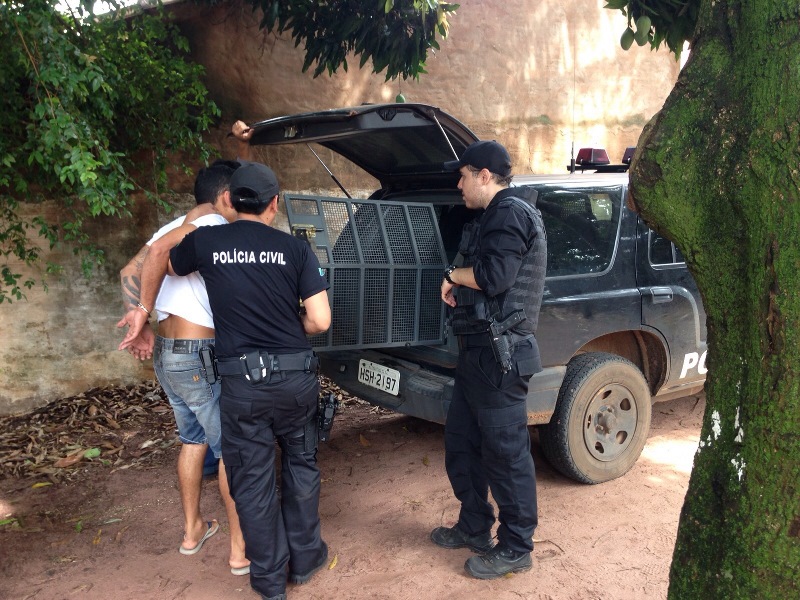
474,308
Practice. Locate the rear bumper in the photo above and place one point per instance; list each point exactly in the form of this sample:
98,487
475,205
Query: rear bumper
425,393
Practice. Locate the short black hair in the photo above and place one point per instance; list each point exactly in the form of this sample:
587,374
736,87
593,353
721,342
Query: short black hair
501,180
213,180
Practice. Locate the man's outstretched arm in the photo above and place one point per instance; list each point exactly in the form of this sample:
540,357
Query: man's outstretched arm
141,346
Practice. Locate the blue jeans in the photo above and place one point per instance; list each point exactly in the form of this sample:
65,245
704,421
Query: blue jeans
194,401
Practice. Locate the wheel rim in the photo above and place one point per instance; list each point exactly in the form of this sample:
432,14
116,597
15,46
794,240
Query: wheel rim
610,422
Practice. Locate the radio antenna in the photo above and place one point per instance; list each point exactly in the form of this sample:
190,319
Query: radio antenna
572,148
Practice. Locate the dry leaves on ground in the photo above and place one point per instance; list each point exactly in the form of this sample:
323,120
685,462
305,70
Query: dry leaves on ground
115,427
111,427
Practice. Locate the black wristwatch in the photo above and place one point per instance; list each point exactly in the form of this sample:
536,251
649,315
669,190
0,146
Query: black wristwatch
447,273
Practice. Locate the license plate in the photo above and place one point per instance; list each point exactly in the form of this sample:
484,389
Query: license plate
380,377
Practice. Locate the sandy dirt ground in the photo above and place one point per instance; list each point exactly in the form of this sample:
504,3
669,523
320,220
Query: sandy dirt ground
116,534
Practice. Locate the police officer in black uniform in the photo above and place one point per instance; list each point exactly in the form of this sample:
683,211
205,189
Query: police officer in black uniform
496,292
256,276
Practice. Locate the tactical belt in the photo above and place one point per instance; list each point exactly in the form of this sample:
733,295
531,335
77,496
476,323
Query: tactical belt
474,340
484,340
272,363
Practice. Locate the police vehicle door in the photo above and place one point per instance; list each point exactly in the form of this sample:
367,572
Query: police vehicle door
672,306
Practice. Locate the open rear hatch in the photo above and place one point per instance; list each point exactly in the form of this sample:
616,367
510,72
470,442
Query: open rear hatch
401,145
383,259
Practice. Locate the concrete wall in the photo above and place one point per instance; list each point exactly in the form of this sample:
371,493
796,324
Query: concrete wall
535,76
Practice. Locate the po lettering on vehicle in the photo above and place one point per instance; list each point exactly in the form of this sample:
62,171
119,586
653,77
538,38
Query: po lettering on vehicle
692,360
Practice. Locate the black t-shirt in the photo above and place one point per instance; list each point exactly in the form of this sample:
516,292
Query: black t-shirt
255,276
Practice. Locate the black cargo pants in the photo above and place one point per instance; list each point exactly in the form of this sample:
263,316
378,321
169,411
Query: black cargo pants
278,529
487,444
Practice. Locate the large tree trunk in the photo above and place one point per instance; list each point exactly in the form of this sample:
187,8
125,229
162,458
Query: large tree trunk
717,171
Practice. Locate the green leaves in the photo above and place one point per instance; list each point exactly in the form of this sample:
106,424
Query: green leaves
94,107
656,21
85,100
396,35
91,453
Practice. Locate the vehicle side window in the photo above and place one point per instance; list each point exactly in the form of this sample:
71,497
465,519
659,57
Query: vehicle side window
581,225
663,252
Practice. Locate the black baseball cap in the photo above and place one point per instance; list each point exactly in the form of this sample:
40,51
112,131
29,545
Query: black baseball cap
486,154
254,180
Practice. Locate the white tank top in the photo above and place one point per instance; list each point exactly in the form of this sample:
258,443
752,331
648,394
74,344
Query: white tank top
186,297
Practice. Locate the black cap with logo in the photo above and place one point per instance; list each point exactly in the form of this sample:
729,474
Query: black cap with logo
254,181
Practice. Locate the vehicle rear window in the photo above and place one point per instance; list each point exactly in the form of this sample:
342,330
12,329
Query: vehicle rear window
663,252
581,225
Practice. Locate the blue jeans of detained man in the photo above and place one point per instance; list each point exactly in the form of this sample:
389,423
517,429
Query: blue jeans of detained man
278,529
487,444
194,401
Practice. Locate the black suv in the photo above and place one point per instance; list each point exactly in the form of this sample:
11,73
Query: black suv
621,325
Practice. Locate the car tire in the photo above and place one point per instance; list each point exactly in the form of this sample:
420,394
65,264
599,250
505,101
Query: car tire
601,421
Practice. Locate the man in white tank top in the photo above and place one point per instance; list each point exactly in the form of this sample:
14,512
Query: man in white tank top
185,324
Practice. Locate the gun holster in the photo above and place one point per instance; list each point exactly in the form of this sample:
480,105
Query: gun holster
328,405
253,367
209,362
502,340
503,350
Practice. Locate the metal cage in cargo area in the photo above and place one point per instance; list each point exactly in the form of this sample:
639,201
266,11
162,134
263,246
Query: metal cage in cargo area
384,263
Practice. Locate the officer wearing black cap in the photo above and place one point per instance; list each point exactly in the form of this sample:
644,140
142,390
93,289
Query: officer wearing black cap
496,292
256,276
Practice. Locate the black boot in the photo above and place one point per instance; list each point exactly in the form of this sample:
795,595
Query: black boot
498,562
305,577
455,537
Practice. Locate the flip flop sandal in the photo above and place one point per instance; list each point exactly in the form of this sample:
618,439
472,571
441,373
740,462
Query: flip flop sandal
213,527
241,570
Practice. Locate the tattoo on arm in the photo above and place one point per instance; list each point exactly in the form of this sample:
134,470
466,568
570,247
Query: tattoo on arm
130,279
131,288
